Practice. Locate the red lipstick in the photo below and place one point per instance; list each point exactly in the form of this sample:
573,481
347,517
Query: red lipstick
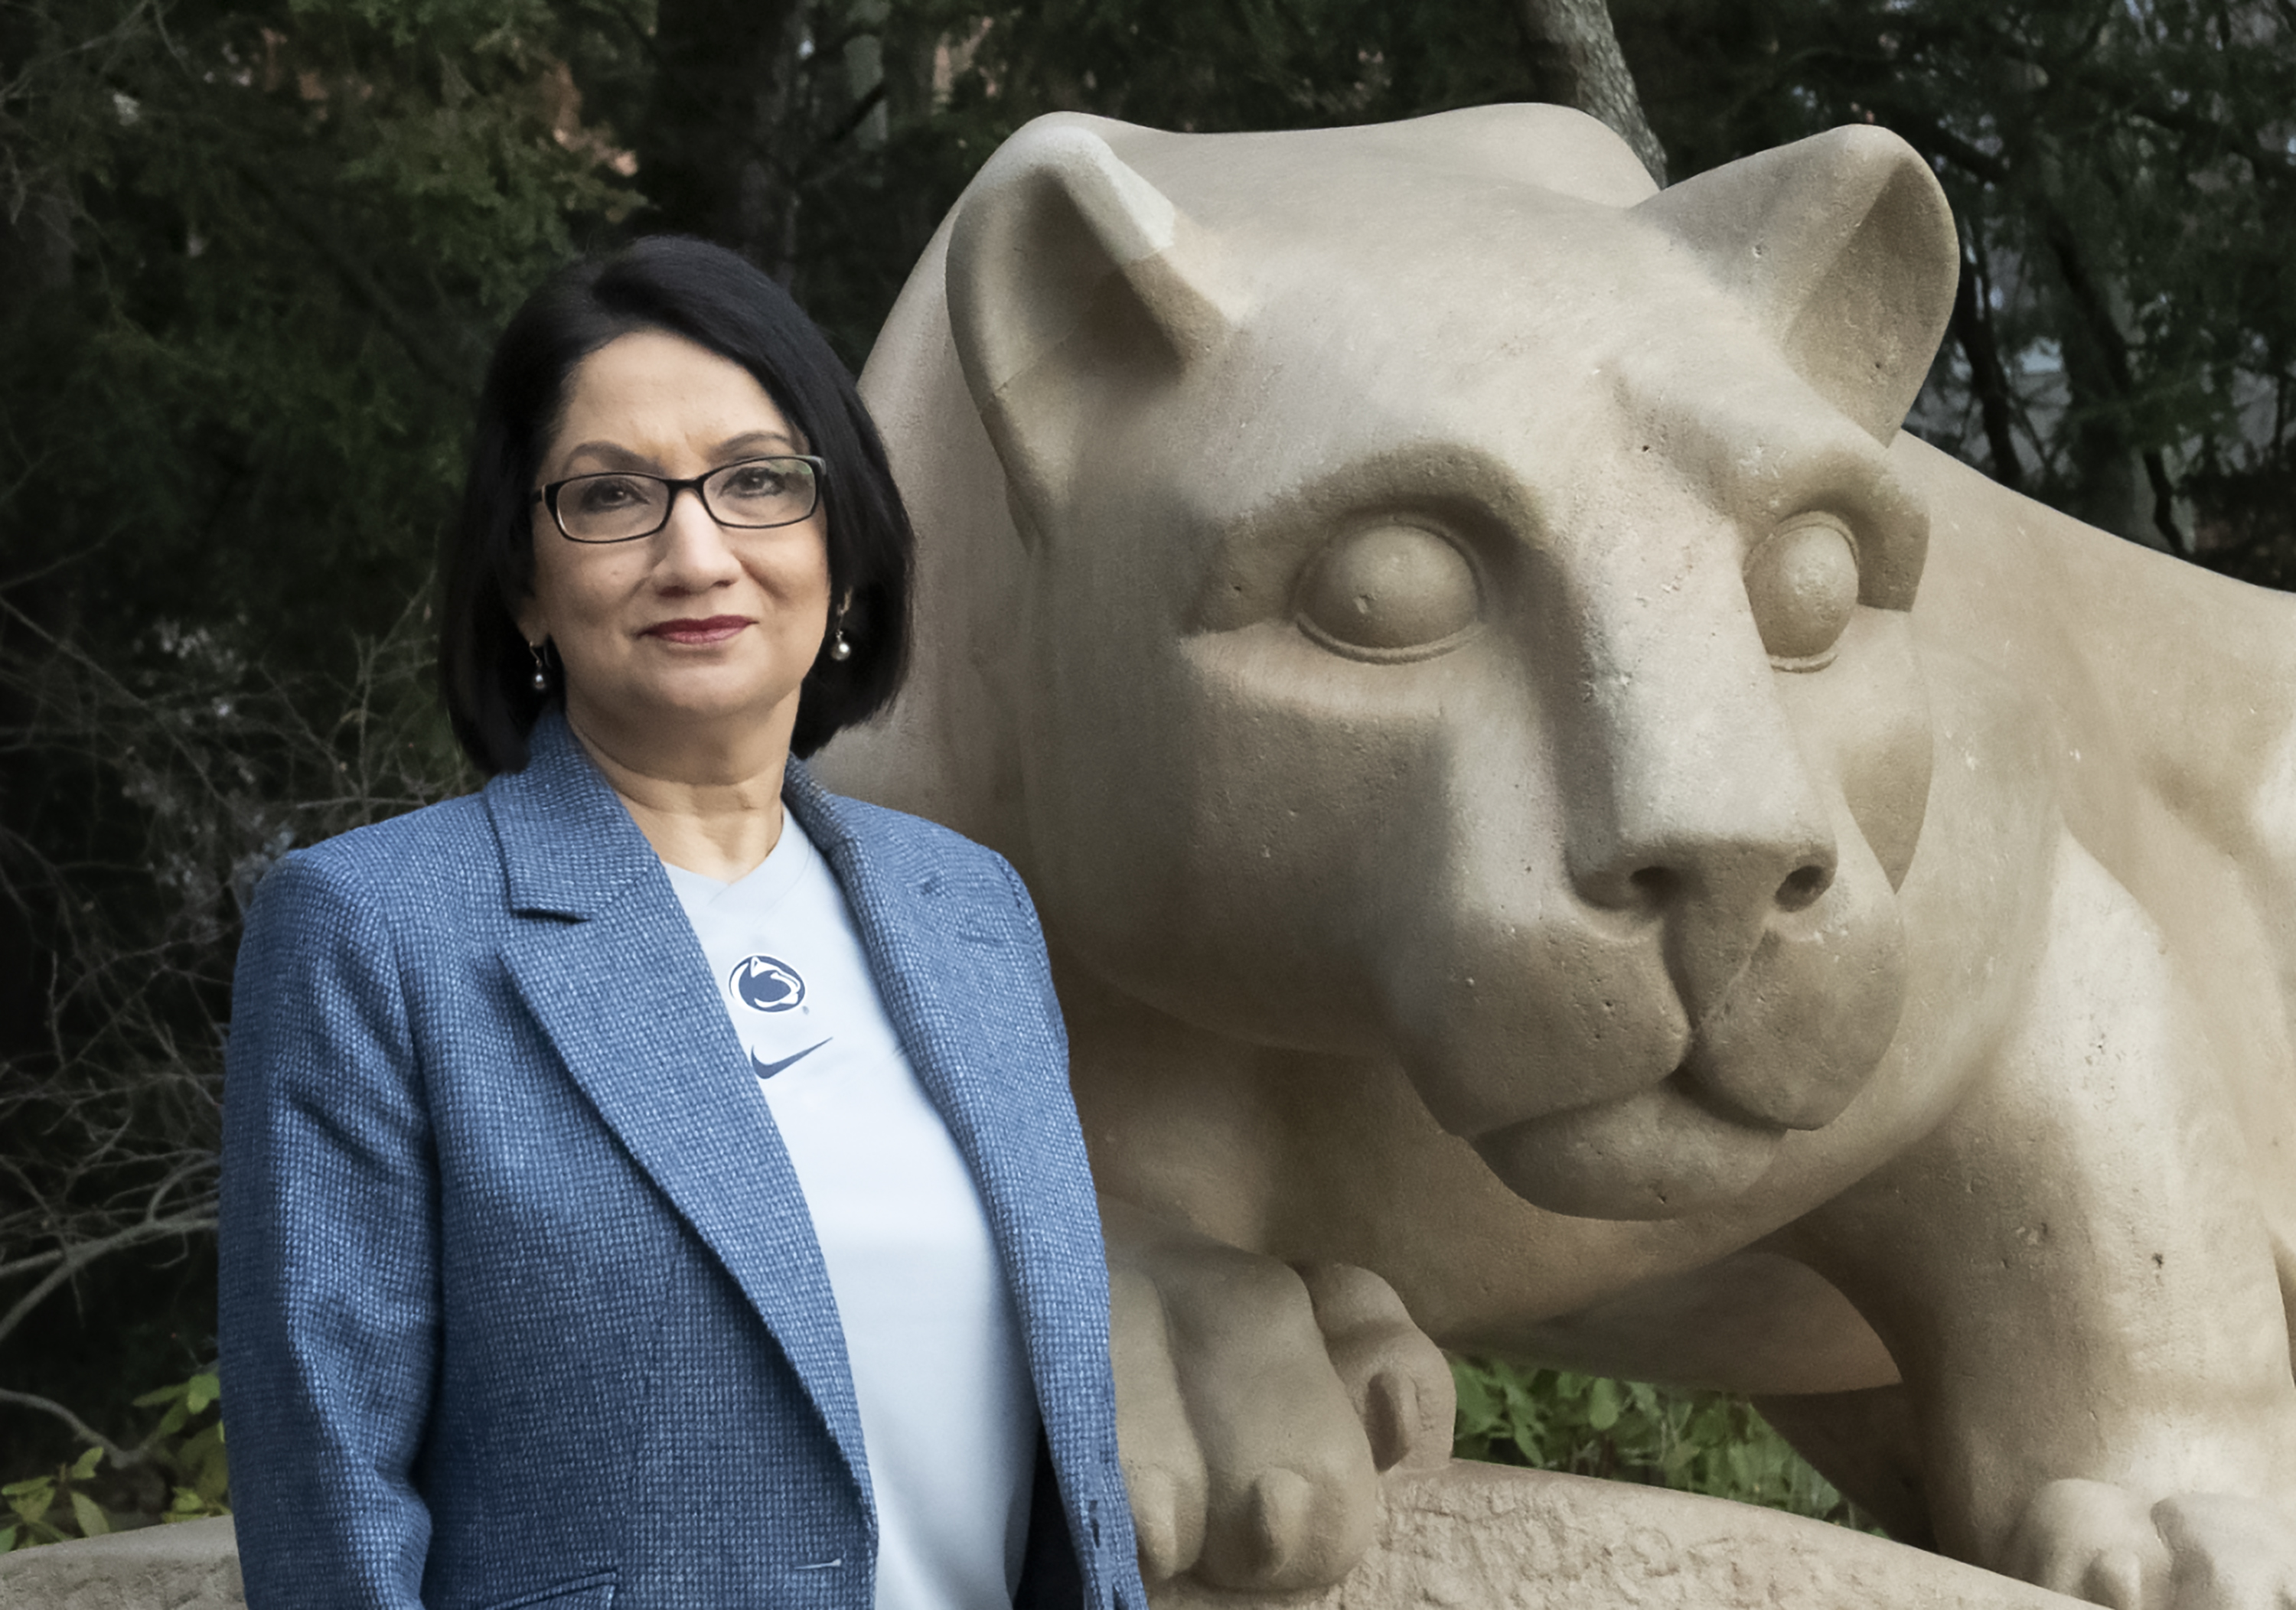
717,629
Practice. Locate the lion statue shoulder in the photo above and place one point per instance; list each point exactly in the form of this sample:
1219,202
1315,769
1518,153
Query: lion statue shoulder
1556,819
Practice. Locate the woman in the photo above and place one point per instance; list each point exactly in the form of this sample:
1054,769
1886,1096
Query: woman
653,1182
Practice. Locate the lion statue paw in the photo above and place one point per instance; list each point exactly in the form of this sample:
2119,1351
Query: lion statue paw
2195,1551
1257,1406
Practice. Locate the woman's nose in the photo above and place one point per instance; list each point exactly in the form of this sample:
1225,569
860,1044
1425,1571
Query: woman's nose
695,551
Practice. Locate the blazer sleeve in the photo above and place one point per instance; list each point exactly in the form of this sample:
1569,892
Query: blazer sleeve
328,1245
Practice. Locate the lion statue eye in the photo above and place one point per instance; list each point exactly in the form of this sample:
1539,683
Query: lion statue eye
1389,592
1802,582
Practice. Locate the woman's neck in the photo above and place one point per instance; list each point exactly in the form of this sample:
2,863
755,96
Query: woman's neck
715,809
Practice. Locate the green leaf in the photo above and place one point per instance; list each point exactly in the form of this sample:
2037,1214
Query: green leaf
7,1539
85,1466
30,1499
203,1390
214,1478
1528,1445
91,1521
1603,1404
1478,1403
165,1394
1710,1427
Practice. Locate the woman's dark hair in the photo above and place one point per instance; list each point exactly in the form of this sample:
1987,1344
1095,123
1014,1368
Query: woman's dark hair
714,299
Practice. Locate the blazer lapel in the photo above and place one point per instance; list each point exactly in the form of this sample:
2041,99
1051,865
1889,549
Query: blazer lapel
609,966
1048,1247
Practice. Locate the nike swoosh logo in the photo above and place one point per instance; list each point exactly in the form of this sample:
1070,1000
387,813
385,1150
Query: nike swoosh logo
766,1070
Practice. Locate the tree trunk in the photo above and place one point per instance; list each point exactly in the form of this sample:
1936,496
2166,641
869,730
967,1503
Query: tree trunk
1989,378
721,145
1575,60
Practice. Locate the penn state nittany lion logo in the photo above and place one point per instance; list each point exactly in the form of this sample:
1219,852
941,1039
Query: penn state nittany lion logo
767,984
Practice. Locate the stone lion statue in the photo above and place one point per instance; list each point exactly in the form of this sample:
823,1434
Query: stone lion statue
1549,807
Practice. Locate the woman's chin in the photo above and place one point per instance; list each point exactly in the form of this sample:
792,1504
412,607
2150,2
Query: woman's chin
706,711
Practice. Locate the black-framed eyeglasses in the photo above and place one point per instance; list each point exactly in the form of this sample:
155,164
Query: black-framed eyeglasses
622,505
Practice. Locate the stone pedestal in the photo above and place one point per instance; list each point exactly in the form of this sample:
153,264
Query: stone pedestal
1476,1537
193,1567
1480,1537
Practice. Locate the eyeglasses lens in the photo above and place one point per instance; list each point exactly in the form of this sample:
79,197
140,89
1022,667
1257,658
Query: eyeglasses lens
611,508
763,492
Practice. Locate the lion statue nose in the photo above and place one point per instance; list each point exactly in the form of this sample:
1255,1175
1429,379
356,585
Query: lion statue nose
1714,893
1730,872
1778,933
1688,807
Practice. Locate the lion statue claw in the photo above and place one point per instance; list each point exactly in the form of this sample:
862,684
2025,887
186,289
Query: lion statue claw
2195,1551
1563,831
1260,1404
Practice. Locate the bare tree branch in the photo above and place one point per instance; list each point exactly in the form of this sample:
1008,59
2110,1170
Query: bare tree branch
112,1112
80,1256
122,1458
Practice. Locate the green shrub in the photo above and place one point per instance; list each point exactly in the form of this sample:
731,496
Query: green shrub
1705,1442
179,1471
191,1453
33,1501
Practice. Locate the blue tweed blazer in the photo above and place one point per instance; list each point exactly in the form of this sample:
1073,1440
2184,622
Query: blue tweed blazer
521,1301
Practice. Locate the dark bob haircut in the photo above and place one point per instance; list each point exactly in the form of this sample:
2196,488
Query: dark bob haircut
718,300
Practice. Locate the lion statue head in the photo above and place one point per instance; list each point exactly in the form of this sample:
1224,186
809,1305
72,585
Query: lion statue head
1419,593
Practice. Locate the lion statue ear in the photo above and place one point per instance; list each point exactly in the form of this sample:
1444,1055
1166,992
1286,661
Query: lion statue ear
1072,282
1843,245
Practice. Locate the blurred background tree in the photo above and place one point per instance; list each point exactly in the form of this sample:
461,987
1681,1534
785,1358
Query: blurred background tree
251,256
2124,172
251,260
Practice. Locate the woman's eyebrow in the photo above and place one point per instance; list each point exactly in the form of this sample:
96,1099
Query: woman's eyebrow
611,453
749,444
749,439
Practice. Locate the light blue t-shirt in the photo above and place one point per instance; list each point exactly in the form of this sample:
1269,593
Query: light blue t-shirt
947,1415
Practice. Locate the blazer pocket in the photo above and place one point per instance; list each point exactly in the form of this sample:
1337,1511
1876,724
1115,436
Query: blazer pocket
594,1592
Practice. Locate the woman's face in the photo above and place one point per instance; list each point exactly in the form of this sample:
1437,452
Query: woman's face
698,625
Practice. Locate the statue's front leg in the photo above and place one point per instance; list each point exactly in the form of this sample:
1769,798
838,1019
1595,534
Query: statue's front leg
2078,1282
1258,1405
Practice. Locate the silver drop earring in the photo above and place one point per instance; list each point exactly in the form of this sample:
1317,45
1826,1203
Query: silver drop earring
541,677
840,650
